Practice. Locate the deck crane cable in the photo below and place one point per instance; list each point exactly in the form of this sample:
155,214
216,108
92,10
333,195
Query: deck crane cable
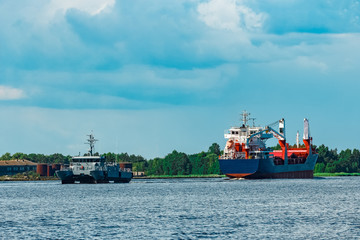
273,124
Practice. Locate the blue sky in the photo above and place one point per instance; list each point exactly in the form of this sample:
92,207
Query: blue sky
149,77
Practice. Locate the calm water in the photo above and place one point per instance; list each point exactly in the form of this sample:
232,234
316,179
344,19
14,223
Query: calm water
327,208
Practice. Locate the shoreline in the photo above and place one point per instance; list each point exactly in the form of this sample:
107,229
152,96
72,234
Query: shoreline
180,176
13,179
338,174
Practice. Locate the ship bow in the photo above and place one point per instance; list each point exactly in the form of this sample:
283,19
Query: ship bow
64,174
238,168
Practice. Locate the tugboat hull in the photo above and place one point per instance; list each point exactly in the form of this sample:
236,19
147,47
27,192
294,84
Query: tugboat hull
67,177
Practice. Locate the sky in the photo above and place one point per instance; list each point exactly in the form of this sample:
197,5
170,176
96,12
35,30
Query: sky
150,77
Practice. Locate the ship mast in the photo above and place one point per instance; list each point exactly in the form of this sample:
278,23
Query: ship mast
91,141
297,140
245,117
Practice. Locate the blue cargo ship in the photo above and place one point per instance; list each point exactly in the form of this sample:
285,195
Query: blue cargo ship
246,155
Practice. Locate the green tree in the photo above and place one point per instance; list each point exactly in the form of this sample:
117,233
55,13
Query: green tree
330,168
18,155
277,147
215,149
212,161
197,162
110,157
6,156
325,155
155,167
176,163
139,166
56,158
319,167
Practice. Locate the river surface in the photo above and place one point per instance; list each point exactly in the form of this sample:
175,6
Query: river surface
320,208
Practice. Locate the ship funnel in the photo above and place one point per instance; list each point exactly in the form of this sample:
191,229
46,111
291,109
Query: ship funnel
306,129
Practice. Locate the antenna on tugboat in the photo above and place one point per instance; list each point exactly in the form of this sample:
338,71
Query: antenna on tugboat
91,141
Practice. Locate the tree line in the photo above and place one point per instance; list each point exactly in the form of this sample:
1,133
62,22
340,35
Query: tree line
38,157
330,161
178,163
175,163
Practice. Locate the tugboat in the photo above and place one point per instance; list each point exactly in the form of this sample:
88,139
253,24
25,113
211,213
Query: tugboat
246,155
94,169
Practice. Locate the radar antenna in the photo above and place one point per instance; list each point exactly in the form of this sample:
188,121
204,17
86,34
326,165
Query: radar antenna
253,121
245,116
91,141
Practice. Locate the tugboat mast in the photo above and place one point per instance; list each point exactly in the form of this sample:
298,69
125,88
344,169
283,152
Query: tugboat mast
91,141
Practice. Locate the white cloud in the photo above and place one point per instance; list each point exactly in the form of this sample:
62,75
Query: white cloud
9,93
251,20
230,15
307,62
219,14
92,7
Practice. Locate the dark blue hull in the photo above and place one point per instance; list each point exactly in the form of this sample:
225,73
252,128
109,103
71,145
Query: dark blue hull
238,168
266,168
67,176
